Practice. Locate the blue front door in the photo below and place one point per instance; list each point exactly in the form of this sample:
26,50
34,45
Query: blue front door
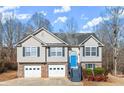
73,60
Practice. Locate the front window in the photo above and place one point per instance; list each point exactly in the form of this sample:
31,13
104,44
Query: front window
53,51
91,51
33,51
27,51
56,51
59,51
87,51
30,51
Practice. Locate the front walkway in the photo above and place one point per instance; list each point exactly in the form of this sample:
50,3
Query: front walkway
40,82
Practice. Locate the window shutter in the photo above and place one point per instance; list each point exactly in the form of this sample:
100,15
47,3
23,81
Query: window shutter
97,51
63,51
49,51
23,51
83,51
38,51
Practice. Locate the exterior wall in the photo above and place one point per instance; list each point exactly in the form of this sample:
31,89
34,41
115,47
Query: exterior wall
31,42
91,43
44,70
60,63
46,37
96,64
58,59
20,72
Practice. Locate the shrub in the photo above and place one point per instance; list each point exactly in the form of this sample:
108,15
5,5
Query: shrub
99,71
11,66
100,78
1,69
89,71
5,69
90,78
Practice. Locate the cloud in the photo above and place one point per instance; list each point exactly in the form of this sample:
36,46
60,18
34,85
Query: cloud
96,21
6,15
7,8
23,16
5,12
43,12
60,19
63,9
93,22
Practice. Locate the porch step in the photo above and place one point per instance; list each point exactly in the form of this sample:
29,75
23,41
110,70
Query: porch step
76,74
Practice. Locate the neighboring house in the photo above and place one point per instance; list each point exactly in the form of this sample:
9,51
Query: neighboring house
45,54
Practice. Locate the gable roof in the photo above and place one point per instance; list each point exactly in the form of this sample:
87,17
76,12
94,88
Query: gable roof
76,38
29,36
95,38
41,29
37,31
66,39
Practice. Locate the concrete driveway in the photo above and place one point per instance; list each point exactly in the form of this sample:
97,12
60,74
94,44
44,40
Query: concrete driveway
40,82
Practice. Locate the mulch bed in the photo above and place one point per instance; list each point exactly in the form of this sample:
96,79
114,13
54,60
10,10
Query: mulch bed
11,74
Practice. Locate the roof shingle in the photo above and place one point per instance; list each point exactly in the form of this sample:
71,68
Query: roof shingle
74,38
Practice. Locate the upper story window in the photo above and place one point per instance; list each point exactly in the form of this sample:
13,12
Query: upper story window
87,51
30,51
91,51
55,51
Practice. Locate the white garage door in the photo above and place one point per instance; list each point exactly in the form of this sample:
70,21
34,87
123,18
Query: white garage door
56,70
32,71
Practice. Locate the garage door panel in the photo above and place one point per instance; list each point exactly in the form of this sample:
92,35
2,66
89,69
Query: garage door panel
32,71
56,70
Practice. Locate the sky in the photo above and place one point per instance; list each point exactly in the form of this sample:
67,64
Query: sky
86,16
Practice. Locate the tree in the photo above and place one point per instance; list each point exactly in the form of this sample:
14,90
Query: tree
12,34
105,36
113,27
9,37
19,30
71,28
1,44
1,34
38,20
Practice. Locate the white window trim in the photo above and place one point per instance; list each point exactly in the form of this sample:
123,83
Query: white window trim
30,47
91,51
56,51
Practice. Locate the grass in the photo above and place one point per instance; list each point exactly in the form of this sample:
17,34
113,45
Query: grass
8,75
112,81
